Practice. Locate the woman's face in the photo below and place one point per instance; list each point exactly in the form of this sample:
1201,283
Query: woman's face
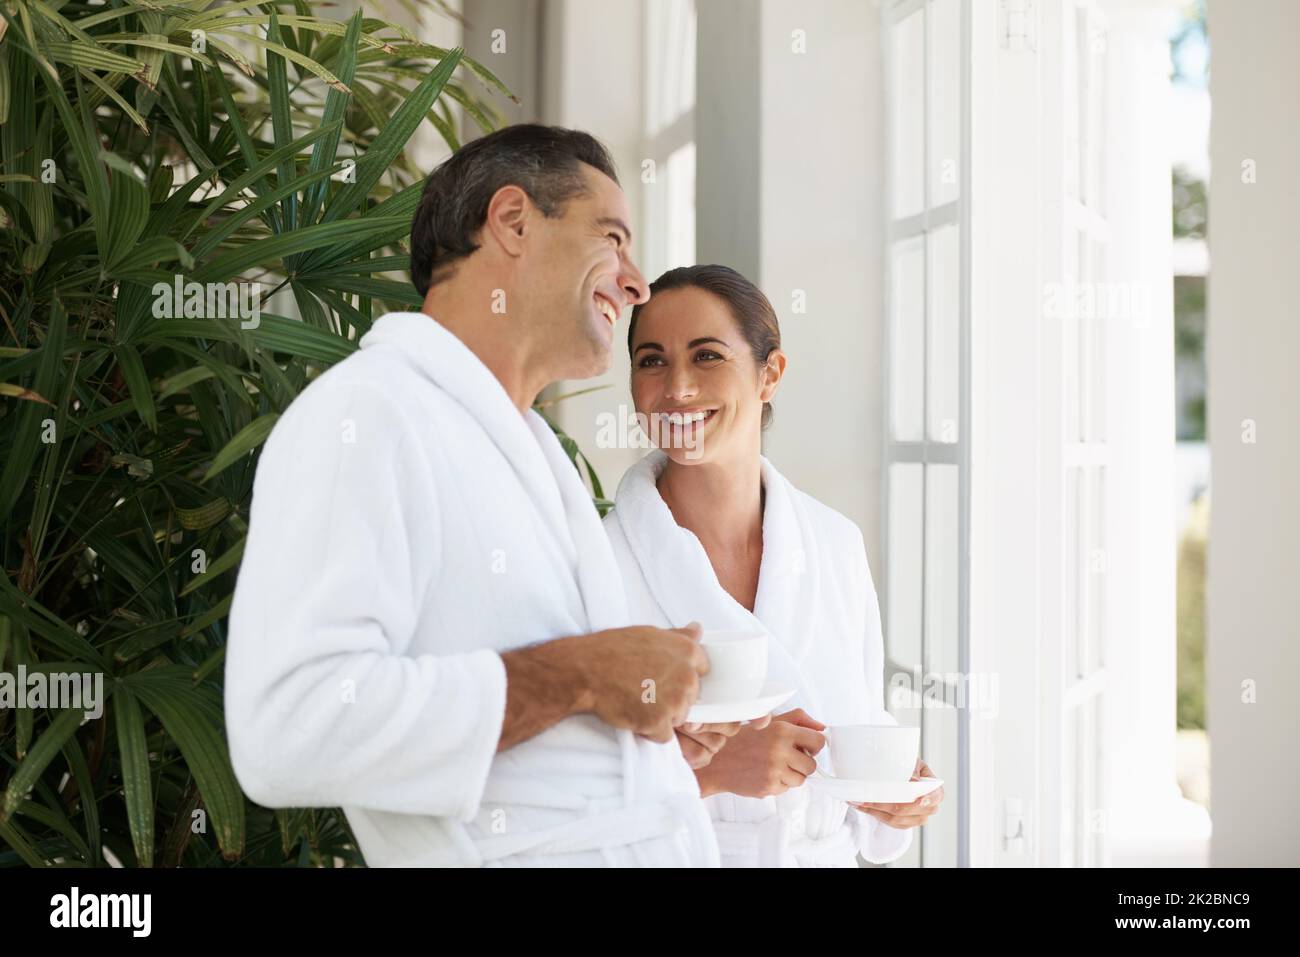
695,384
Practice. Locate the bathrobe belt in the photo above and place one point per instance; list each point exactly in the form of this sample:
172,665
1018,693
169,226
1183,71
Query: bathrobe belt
600,829
769,843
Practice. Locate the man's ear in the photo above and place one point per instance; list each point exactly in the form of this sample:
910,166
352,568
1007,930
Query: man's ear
508,214
773,370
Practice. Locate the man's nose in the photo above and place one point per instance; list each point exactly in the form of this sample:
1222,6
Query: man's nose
633,284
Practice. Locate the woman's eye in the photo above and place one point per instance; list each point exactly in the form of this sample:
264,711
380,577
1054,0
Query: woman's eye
707,355
648,361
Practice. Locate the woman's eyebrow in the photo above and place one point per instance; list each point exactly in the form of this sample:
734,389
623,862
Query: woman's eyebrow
690,345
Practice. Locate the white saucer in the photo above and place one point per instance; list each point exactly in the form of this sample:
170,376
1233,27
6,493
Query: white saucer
722,712
873,792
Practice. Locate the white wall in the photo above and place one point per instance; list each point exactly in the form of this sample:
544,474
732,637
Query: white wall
803,132
1254,344
790,168
729,117
505,36
822,229
591,80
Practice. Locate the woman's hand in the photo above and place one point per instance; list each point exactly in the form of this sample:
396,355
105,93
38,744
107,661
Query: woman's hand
764,760
903,816
700,742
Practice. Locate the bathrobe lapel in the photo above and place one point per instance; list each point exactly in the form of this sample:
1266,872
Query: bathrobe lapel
533,452
576,538
599,581
681,578
796,605
789,581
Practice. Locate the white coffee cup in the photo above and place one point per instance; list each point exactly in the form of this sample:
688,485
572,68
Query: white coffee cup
737,666
874,752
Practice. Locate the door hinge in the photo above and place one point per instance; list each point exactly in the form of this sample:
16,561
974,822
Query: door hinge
1013,828
1018,25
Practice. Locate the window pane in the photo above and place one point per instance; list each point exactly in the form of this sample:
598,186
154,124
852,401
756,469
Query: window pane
944,108
939,749
670,51
1084,821
907,339
903,627
907,115
1111,304
1070,105
943,276
1094,631
681,207
1070,804
1073,303
941,569
1092,49
1099,145
1089,309
1095,812
1072,564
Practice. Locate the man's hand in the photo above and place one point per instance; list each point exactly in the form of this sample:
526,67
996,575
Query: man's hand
903,816
643,679
766,757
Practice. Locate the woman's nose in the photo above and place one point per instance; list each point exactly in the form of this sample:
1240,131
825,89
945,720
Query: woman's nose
681,384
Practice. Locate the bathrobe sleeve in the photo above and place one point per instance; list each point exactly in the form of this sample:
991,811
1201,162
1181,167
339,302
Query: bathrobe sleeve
325,706
877,841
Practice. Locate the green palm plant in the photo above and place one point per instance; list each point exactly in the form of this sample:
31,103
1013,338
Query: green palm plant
143,141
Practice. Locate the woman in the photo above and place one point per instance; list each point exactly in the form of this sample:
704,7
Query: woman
704,528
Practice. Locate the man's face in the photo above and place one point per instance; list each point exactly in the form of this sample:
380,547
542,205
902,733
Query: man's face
580,277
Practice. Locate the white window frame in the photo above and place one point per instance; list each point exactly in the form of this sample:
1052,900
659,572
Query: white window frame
926,451
1074,771
659,144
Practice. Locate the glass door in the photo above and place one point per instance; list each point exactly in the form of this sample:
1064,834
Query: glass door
926,456
1077,309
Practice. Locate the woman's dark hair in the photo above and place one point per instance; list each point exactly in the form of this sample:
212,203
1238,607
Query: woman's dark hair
543,161
751,309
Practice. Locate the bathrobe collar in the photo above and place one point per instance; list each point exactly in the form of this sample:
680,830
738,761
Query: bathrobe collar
530,447
682,580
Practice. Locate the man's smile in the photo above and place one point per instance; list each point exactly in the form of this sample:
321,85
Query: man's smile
606,308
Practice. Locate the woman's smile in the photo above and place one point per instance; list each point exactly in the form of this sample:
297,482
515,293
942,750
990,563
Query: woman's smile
683,424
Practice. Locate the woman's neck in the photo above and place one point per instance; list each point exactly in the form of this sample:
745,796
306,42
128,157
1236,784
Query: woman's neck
722,503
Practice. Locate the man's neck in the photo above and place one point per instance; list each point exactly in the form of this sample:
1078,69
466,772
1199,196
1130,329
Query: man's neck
464,308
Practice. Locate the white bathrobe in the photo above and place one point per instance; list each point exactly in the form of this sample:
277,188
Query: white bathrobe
408,525
818,605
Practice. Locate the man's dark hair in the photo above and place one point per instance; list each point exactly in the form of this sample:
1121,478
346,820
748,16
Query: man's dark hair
543,161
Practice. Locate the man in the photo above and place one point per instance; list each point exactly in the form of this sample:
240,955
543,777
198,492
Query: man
429,629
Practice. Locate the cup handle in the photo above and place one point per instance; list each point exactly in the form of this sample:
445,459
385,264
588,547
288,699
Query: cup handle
823,760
